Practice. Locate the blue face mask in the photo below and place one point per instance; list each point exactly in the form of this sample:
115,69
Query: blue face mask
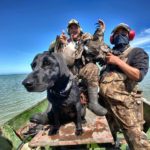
121,40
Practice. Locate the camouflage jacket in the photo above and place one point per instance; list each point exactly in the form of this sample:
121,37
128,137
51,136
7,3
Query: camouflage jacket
115,84
72,50
90,48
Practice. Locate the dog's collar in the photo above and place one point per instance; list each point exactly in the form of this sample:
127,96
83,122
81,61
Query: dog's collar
67,89
63,92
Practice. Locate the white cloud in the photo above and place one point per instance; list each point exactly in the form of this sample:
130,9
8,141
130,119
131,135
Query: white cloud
147,31
142,39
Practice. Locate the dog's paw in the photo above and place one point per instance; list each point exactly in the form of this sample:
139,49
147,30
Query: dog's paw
53,131
79,132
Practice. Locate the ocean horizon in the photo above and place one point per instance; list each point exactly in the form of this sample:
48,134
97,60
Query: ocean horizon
14,98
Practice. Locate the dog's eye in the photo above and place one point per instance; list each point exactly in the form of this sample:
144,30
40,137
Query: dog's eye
46,63
33,65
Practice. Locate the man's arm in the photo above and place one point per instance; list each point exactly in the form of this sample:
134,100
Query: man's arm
132,72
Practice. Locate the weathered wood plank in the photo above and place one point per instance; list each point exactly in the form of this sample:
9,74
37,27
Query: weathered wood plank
96,130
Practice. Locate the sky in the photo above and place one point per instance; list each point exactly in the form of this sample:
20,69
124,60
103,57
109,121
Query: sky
27,27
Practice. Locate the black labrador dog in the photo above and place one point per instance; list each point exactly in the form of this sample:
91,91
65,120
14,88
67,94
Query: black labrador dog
50,72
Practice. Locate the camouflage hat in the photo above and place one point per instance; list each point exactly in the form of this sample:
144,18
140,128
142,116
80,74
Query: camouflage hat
121,25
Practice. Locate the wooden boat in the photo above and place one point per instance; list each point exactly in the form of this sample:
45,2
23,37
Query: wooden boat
96,132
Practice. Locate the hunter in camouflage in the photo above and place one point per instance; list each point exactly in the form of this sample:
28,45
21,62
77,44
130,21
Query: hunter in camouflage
118,86
81,62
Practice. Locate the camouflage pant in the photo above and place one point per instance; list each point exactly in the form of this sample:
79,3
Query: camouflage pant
123,109
90,73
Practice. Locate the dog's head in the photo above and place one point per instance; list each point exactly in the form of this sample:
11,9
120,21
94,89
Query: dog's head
45,72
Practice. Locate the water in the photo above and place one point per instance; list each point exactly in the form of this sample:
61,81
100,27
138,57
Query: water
145,86
14,98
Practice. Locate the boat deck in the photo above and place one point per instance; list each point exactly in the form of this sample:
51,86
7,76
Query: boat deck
96,130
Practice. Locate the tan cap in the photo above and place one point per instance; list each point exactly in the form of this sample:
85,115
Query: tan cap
121,25
73,21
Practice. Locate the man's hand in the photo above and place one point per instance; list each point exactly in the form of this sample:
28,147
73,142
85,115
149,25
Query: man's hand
131,72
63,38
86,36
112,59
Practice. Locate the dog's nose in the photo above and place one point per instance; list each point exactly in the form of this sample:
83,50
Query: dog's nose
28,83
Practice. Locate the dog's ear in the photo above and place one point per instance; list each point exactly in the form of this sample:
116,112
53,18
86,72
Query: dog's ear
33,65
62,64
